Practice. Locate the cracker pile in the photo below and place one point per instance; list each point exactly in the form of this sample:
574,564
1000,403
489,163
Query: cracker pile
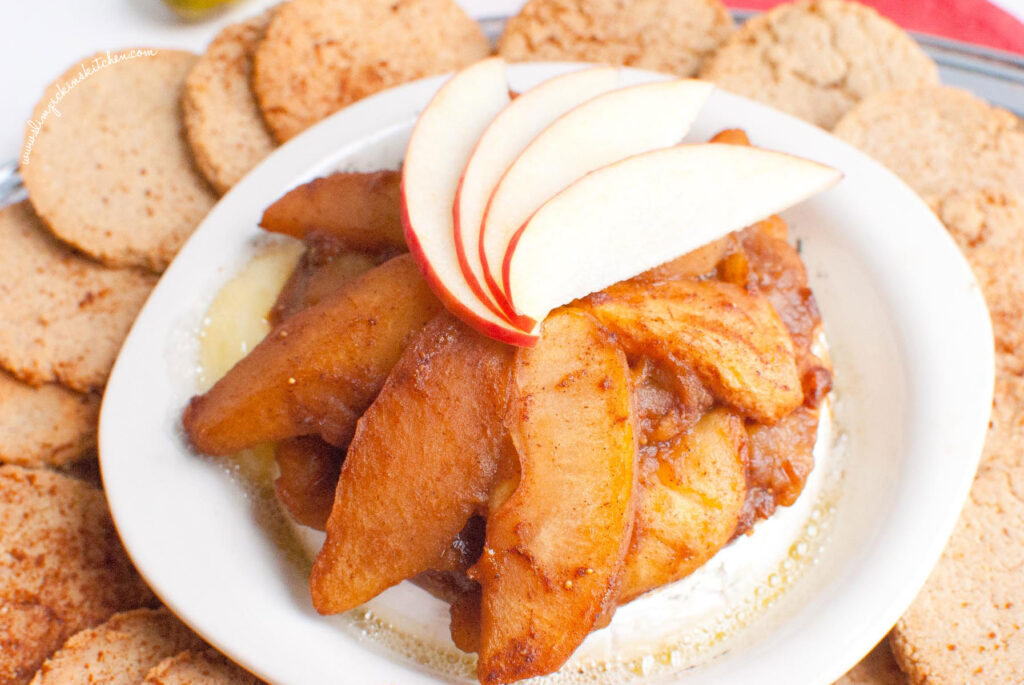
146,140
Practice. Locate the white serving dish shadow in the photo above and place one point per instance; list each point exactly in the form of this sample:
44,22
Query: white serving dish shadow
908,332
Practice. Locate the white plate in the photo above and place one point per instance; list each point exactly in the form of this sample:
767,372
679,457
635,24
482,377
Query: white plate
912,346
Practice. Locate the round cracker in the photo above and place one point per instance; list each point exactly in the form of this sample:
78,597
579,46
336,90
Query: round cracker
112,174
1004,445
205,667
673,36
62,567
63,317
877,668
45,426
320,55
988,226
222,118
940,140
118,652
817,59
965,625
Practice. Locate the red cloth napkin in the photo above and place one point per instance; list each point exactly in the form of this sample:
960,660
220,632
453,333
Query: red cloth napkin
972,21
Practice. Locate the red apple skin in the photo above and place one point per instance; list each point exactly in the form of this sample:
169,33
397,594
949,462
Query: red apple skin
460,252
510,335
508,310
522,321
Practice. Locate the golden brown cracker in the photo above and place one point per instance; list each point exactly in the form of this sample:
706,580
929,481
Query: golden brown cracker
223,121
320,55
194,667
965,625
112,174
988,226
817,58
62,567
120,651
64,317
1004,444
940,140
45,426
673,36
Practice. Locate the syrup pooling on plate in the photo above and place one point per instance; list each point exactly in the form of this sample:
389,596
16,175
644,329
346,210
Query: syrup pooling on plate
238,317
235,322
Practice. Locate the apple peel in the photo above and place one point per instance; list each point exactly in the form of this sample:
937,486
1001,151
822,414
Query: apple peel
440,146
635,214
599,132
503,140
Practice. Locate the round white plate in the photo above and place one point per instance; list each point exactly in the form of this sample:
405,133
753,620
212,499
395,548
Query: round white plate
912,346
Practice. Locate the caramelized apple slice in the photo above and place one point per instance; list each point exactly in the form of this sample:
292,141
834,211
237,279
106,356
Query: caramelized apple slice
696,264
554,548
734,340
316,373
465,621
309,470
362,211
688,503
421,463
319,273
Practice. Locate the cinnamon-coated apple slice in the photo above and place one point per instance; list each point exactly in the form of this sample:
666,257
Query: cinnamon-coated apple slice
688,503
422,462
440,146
555,547
732,339
505,137
602,130
632,215
317,372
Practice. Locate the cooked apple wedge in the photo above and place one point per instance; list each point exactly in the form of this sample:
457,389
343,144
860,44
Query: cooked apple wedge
504,138
688,504
630,216
732,339
554,548
422,462
319,273
603,130
309,469
361,211
317,372
439,148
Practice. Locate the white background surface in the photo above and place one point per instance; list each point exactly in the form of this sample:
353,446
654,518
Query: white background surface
40,39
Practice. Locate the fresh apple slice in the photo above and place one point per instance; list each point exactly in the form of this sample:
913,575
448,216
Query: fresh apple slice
505,137
439,148
603,130
631,216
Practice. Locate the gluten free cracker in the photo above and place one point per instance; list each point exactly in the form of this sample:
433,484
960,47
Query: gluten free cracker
62,567
64,316
673,36
48,425
120,651
940,140
964,628
223,121
112,174
320,55
817,58
195,667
